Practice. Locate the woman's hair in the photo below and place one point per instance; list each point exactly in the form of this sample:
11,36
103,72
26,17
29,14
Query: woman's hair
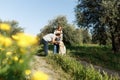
59,26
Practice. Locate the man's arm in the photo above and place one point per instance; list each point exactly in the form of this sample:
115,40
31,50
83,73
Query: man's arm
53,40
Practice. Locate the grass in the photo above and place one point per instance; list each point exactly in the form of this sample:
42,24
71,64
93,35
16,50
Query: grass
98,55
62,75
76,70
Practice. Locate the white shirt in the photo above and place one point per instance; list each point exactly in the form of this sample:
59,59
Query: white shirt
49,37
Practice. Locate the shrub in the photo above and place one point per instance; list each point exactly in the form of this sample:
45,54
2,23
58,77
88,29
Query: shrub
16,52
77,71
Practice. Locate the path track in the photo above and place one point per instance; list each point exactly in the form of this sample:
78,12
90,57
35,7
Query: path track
40,64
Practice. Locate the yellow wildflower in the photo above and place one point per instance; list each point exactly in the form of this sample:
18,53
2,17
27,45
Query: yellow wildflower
15,37
23,43
23,50
27,72
5,27
15,58
2,40
21,61
8,53
39,76
32,40
25,40
7,42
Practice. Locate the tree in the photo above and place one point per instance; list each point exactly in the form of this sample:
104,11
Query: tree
102,16
100,35
15,28
86,36
112,18
52,24
88,13
70,34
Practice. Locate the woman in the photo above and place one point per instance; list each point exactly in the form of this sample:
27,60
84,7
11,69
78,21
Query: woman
58,31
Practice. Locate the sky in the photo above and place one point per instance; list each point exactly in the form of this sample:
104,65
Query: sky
33,15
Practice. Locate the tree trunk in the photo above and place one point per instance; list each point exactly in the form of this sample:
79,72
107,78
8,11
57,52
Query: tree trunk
113,42
117,44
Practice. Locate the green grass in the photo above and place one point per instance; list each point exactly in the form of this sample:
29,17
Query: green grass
62,74
98,55
95,54
76,70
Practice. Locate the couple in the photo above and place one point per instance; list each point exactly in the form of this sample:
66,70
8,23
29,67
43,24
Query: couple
55,39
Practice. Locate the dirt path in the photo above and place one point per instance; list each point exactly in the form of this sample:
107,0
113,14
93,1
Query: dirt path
40,64
108,71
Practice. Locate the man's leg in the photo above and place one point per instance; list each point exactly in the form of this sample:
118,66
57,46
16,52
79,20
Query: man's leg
45,47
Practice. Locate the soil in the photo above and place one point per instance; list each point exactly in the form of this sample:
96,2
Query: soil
40,64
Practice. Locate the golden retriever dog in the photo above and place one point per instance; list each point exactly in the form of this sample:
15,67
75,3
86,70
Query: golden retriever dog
62,48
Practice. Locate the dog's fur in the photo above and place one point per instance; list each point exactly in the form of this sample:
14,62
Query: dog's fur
62,48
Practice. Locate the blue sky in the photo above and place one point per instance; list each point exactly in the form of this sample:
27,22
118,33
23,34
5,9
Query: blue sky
33,15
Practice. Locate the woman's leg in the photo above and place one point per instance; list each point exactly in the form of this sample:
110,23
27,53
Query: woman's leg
55,49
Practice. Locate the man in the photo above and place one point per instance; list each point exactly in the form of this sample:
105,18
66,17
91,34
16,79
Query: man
49,38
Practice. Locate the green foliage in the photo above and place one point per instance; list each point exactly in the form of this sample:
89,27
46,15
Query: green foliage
86,36
111,18
15,54
15,28
76,70
13,65
87,14
71,35
100,35
99,55
104,17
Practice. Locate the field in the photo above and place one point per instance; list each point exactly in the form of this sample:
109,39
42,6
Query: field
93,54
98,55
17,52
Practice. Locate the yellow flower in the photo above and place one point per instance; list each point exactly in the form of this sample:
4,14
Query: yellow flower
23,43
7,42
5,27
23,50
15,58
15,37
21,61
8,53
25,40
2,40
39,76
27,72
